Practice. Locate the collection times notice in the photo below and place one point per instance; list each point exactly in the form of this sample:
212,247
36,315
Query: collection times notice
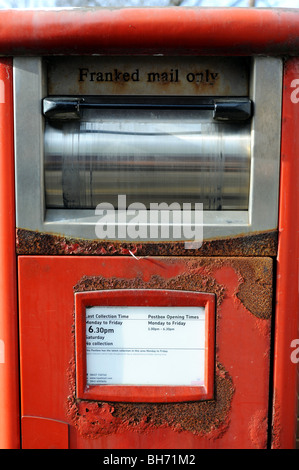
145,345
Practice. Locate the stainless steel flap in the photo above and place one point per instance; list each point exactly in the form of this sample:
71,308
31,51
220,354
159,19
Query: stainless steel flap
152,154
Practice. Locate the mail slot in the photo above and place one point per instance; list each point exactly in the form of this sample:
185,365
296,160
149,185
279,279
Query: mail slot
166,152
152,189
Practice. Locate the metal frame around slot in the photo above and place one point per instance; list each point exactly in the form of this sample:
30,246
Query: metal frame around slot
31,214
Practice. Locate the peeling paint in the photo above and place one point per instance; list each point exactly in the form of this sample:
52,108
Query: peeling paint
276,424
204,418
197,281
254,290
258,429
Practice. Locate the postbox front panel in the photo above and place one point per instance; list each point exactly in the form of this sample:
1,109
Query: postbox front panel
55,343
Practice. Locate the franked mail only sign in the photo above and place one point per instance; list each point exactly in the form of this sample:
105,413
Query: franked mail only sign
148,75
145,345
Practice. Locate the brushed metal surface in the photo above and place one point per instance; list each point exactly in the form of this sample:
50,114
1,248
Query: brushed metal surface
151,156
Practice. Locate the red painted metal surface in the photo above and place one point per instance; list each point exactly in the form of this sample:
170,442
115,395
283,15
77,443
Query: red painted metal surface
287,306
169,30
145,297
46,291
41,433
9,373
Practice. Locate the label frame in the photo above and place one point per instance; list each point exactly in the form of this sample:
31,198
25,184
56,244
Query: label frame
144,393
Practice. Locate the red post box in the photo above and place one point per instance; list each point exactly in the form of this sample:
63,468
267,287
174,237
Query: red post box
149,252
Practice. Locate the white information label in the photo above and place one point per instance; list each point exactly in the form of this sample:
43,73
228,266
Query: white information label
145,345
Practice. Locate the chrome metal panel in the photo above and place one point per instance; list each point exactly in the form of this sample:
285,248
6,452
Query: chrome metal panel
29,89
266,91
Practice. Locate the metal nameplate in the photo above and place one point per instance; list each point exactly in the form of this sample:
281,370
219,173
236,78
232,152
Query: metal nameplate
153,75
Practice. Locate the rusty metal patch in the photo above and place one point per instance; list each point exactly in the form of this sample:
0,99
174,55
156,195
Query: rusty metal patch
256,288
258,429
204,418
30,242
196,280
254,281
